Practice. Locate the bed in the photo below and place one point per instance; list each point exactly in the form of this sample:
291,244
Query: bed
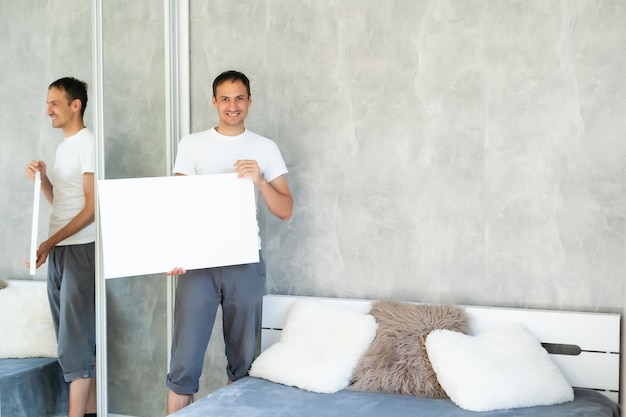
583,349
254,397
32,387
31,380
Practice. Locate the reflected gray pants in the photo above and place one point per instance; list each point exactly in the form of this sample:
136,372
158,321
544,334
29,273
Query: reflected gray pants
72,297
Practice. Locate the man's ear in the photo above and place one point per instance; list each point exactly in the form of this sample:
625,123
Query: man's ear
76,105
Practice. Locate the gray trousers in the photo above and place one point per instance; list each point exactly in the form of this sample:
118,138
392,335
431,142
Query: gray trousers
239,289
72,297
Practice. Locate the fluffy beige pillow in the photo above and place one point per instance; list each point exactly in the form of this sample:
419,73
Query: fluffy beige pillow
397,360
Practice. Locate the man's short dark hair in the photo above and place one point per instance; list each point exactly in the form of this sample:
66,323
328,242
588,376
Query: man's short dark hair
74,89
231,76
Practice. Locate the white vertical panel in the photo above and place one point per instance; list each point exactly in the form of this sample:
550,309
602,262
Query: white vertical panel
177,107
97,98
269,337
276,307
35,225
591,331
590,370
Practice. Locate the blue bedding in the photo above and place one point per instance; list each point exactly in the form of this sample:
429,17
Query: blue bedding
32,387
253,397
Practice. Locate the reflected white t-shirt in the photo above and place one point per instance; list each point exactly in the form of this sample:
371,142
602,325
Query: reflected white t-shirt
75,156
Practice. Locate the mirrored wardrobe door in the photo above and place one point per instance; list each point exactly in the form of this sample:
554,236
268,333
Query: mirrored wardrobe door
145,112
134,132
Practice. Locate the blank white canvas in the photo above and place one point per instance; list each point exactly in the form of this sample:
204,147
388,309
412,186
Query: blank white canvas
35,225
152,225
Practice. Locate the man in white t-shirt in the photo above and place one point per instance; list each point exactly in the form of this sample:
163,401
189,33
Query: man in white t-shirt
70,248
228,147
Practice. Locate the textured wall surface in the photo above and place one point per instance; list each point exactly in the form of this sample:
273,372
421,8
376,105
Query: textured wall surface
439,151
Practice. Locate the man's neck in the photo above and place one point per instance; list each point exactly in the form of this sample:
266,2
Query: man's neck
72,130
230,130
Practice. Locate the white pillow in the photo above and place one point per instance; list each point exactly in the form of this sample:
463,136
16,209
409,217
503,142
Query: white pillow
318,348
26,328
501,368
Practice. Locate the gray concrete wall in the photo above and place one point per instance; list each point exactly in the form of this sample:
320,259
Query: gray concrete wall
439,151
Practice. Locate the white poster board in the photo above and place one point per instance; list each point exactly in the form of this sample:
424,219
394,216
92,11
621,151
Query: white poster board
35,225
152,225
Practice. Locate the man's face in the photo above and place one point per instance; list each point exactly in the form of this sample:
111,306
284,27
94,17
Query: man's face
232,101
59,108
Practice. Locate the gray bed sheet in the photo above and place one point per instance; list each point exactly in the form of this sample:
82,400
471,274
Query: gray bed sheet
32,387
253,397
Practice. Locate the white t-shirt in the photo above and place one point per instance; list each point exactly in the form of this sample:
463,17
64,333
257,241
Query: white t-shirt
210,152
75,156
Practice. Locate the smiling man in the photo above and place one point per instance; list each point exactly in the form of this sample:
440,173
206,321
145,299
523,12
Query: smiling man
70,248
226,148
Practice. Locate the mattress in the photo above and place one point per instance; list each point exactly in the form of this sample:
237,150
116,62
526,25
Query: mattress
32,387
253,397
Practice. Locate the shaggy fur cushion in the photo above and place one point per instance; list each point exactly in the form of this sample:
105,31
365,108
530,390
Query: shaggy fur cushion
397,360
26,328
501,368
318,348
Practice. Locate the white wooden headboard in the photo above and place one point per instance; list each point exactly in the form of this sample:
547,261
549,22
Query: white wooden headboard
585,346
